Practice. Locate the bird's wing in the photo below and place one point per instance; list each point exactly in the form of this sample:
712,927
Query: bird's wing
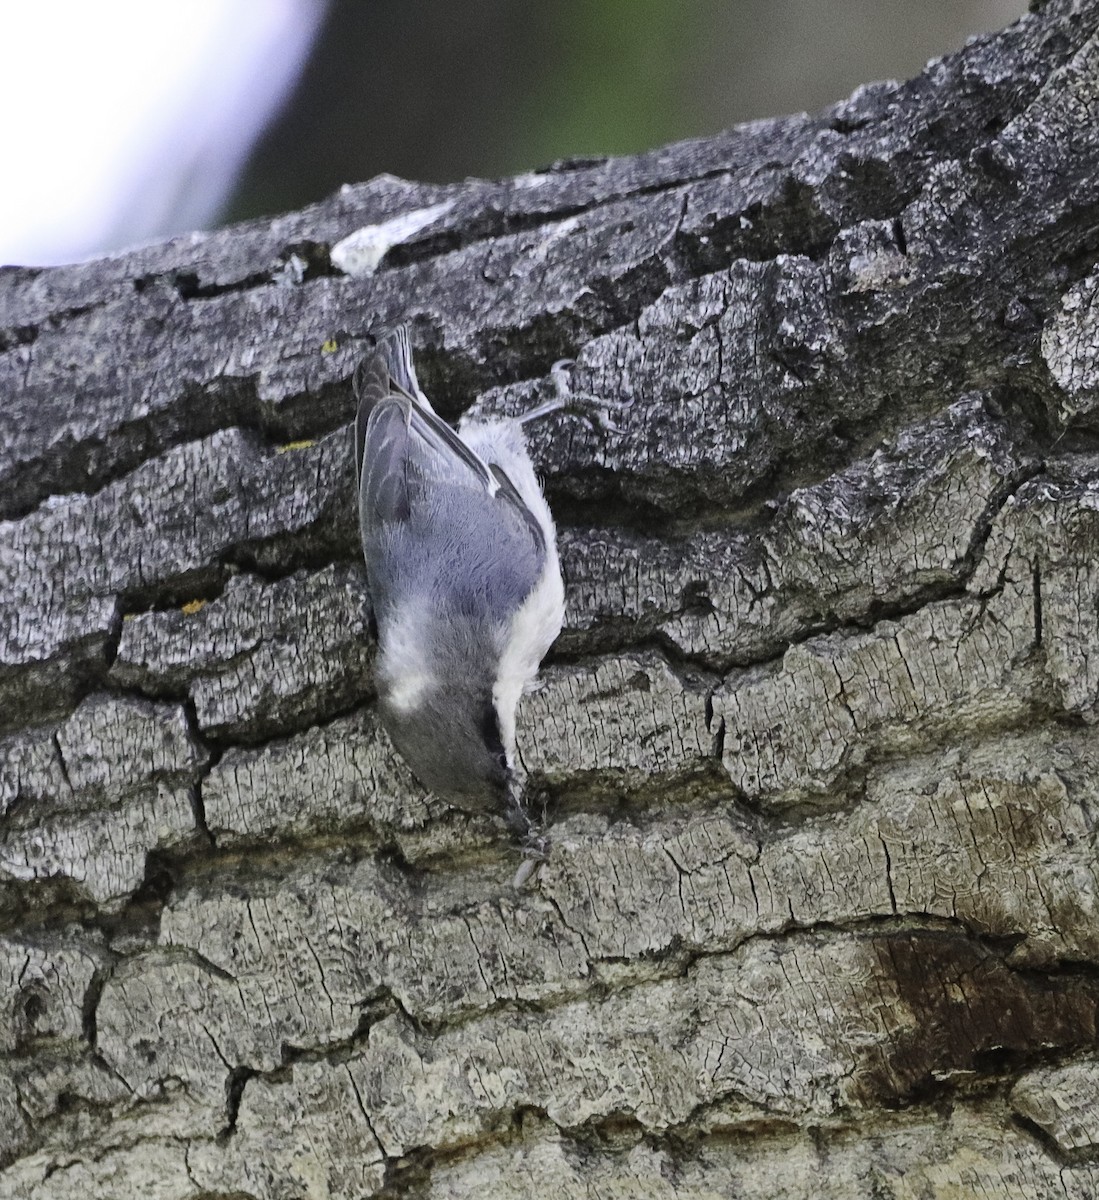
395,433
509,494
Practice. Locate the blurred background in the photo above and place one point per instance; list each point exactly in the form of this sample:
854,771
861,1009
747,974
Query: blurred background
130,120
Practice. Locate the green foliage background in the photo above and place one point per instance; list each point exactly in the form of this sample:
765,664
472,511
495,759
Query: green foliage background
440,90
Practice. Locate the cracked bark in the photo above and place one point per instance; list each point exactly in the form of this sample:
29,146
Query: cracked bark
822,916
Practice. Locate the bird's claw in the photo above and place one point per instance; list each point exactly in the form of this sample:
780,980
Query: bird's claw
536,848
595,410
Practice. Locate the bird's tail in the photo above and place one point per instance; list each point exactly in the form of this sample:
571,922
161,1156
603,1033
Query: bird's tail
388,369
396,351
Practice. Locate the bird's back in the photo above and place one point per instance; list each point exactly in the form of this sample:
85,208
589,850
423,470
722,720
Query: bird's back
444,533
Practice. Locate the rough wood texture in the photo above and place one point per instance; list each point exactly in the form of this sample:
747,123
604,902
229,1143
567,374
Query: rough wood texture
822,916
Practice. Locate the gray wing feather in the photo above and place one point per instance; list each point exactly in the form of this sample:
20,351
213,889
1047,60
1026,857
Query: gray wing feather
421,489
371,385
509,493
384,484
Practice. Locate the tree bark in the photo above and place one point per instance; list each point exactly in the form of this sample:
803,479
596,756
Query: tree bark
822,913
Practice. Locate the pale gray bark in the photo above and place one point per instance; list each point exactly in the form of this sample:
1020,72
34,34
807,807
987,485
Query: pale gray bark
822,914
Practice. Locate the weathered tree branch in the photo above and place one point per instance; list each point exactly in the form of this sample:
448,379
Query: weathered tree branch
822,916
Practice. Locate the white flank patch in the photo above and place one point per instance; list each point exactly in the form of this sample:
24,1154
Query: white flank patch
403,672
360,252
409,691
533,630
538,622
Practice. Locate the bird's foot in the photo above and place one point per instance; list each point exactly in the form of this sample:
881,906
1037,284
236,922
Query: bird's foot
596,410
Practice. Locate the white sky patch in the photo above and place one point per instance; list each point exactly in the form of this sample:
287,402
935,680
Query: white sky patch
130,119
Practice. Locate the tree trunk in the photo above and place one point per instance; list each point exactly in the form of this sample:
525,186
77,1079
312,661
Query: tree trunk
822,913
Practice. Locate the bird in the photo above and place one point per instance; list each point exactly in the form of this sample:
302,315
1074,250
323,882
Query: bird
463,578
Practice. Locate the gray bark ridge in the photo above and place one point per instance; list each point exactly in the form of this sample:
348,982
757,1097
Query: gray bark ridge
822,914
